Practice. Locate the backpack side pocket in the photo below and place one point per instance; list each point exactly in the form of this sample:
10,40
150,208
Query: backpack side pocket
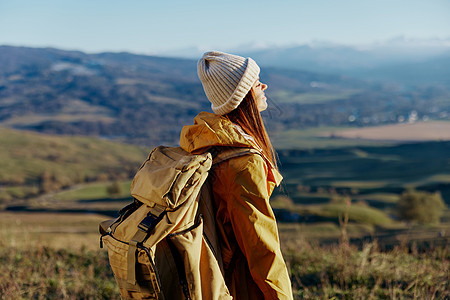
147,284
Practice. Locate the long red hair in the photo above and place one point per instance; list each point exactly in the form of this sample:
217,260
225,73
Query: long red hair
248,117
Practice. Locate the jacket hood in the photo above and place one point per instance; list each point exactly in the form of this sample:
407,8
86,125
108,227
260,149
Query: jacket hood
213,130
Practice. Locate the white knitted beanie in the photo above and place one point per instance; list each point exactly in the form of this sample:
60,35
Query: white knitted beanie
226,79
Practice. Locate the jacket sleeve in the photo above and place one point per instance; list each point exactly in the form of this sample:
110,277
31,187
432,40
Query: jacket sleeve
256,229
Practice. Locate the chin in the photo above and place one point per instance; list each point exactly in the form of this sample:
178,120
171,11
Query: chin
262,108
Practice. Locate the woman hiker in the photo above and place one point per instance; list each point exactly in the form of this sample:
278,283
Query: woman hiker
242,186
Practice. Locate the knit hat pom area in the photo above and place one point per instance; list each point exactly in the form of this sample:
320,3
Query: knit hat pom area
226,79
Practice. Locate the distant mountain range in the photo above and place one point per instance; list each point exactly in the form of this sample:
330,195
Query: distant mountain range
402,60
113,95
147,99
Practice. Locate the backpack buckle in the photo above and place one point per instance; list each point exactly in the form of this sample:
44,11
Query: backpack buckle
149,222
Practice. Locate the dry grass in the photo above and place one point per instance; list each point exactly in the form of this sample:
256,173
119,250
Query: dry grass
344,272
53,230
45,273
56,256
53,256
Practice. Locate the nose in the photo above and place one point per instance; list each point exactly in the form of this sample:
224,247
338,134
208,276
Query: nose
264,86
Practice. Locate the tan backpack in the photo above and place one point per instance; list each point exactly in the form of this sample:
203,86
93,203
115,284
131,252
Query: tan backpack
164,245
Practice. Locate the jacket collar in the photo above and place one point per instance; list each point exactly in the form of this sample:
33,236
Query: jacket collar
211,130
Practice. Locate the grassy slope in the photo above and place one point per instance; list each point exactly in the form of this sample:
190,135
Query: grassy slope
25,157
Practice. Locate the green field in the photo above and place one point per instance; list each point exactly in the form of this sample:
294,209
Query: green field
364,171
365,182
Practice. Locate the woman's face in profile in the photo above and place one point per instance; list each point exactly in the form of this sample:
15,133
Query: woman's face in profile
258,89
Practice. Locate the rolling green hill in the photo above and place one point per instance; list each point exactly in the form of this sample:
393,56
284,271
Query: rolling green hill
32,163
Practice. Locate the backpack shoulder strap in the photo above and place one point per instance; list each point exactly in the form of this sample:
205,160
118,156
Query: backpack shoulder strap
220,156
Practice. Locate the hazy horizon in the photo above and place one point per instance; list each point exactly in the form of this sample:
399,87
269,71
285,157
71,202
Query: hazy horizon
148,27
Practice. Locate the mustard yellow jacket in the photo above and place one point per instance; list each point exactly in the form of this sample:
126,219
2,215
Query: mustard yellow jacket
253,263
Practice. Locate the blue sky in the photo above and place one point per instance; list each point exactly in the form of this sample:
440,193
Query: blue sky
145,26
